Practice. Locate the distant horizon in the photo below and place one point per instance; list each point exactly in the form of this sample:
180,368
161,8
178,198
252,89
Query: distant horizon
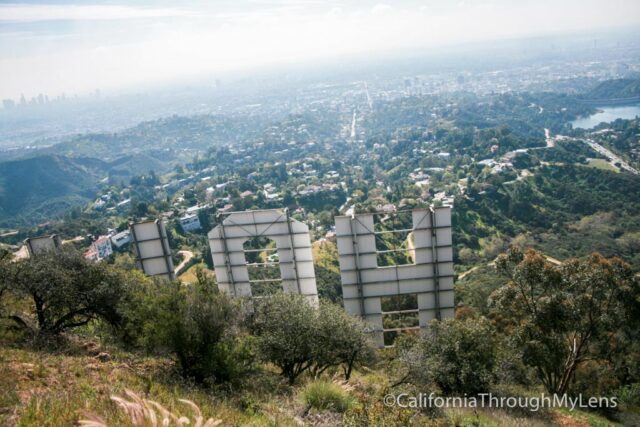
74,48
445,53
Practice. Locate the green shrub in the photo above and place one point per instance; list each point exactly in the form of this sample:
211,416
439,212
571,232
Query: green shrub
297,337
322,394
197,324
595,378
286,330
458,356
65,291
509,367
341,340
551,313
629,395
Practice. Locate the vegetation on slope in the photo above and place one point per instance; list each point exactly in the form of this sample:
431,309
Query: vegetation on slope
42,187
287,363
615,89
564,211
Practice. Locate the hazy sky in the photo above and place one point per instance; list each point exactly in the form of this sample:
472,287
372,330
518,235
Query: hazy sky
76,47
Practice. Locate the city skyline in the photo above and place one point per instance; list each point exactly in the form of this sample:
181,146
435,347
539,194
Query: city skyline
65,47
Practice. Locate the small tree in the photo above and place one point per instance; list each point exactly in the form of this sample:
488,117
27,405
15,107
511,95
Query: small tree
457,355
285,325
341,340
562,315
5,260
196,323
66,291
296,336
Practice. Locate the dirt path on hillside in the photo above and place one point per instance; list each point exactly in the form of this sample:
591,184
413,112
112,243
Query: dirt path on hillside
186,257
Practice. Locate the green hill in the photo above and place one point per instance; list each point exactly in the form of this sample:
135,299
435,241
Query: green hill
615,89
165,139
41,187
563,211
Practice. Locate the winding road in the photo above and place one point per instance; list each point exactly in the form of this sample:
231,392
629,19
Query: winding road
186,257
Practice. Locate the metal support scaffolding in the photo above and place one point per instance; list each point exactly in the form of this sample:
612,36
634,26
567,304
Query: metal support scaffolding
293,246
430,277
293,250
436,273
151,244
357,268
226,257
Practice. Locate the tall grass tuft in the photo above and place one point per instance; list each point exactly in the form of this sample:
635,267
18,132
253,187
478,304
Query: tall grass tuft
149,413
322,394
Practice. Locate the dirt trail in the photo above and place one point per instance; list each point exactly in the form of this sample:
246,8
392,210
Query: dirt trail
471,270
186,257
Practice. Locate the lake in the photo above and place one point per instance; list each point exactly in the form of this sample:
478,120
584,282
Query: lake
607,114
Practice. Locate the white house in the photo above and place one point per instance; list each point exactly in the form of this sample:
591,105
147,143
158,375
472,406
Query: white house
190,222
102,247
121,239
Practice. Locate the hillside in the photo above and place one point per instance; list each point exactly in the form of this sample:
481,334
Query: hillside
563,211
45,186
37,391
167,140
615,89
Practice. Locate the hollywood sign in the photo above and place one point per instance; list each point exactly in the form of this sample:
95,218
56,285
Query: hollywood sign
423,286
428,279
151,248
292,247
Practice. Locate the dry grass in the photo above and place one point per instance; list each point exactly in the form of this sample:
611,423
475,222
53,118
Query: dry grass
41,388
45,389
149,413
189,276
602,164
489,417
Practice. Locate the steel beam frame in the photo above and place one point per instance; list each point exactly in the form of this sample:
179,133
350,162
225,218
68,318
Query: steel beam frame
293,246
430,277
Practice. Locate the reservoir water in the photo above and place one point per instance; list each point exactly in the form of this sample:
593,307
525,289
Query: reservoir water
607,114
